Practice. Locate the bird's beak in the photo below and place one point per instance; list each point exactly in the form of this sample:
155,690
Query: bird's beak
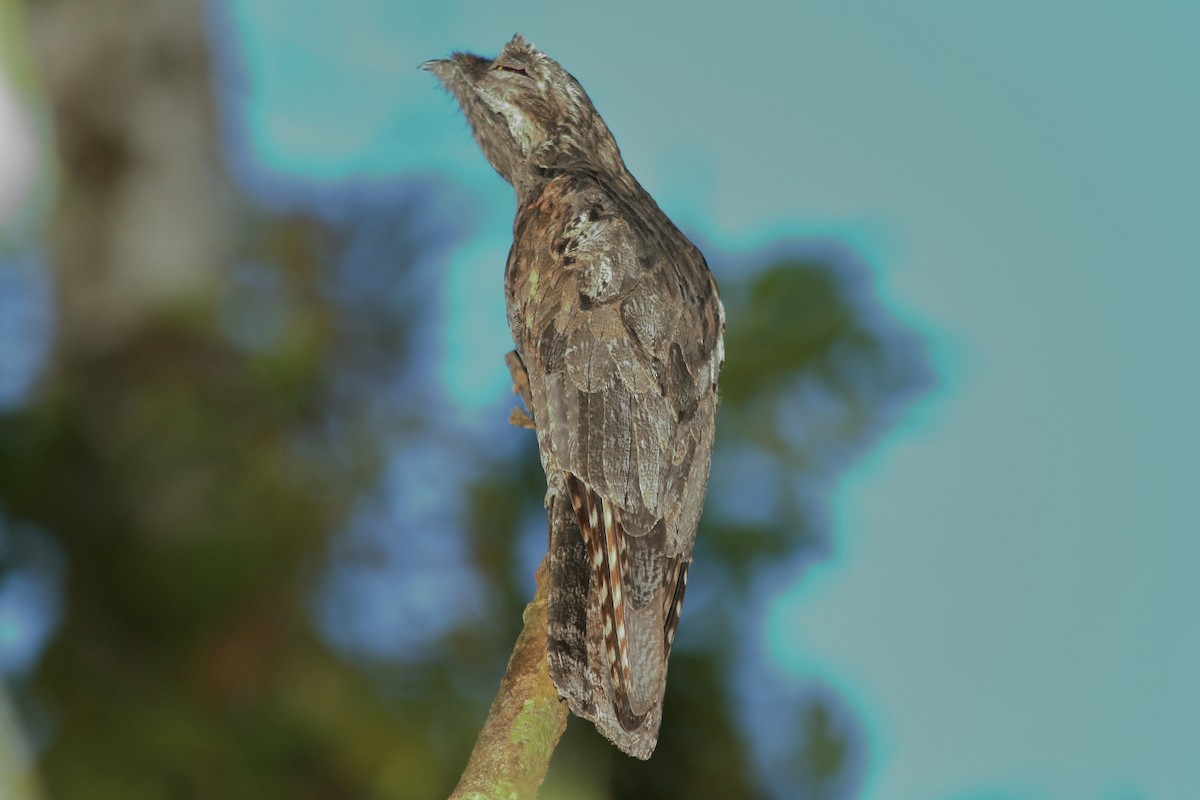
438,66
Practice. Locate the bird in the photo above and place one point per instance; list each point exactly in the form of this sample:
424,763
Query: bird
618,329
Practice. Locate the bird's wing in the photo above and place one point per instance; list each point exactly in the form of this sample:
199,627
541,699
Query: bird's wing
620,328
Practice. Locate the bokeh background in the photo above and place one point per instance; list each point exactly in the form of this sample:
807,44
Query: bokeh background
264,531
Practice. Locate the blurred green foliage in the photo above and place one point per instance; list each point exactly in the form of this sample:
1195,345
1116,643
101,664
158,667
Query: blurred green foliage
199,476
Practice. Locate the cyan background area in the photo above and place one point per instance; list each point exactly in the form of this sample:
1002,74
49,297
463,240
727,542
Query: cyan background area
1010,601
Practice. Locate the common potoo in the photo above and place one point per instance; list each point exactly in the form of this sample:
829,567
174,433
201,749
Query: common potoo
618,334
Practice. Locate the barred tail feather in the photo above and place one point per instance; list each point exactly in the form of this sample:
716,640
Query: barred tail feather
677,576
611,631
600,523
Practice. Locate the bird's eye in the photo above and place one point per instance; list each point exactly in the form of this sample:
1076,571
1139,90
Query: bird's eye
510,68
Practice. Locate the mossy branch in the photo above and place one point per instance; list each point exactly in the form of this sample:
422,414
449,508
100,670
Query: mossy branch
525,722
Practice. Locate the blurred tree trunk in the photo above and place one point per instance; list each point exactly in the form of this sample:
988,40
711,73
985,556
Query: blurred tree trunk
138,230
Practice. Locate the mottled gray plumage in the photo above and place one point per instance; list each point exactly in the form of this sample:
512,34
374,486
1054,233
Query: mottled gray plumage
617,327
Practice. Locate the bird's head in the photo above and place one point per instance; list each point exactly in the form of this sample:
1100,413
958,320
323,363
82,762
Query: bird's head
527,112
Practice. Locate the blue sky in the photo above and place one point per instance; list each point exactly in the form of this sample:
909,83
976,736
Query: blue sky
1010,600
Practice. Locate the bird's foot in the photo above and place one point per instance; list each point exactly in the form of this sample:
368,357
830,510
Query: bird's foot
520,379
520,419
